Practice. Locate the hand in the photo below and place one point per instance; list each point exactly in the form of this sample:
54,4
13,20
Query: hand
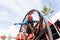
15,23
3,37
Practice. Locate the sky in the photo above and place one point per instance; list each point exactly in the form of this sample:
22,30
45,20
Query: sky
13,11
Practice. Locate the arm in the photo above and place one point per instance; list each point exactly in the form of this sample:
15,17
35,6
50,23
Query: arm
20,23
34,21
17,23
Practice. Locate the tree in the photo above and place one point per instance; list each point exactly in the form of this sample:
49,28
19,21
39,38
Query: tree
45,10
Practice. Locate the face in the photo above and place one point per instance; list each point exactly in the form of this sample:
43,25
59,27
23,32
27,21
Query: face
30,19
21,36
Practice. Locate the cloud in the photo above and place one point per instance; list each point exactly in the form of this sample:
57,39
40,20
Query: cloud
12,11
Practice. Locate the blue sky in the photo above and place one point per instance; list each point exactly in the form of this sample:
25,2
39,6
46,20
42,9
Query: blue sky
55,4
12,11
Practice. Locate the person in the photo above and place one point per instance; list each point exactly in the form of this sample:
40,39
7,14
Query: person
3,37
28,21
20,36
57,23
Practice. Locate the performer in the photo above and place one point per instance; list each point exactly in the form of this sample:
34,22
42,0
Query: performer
28,29
3,37
28,21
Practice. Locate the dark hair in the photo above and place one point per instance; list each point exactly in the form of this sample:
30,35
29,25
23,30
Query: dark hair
31,11
57,23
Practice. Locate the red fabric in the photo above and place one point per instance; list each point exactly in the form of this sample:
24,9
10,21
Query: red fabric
20,37
17,38
30,17
49,23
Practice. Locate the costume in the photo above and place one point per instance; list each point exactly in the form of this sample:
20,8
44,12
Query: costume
29,20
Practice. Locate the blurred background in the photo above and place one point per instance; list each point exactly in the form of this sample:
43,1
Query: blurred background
13,11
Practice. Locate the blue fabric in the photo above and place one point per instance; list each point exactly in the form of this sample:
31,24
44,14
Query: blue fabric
27,22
